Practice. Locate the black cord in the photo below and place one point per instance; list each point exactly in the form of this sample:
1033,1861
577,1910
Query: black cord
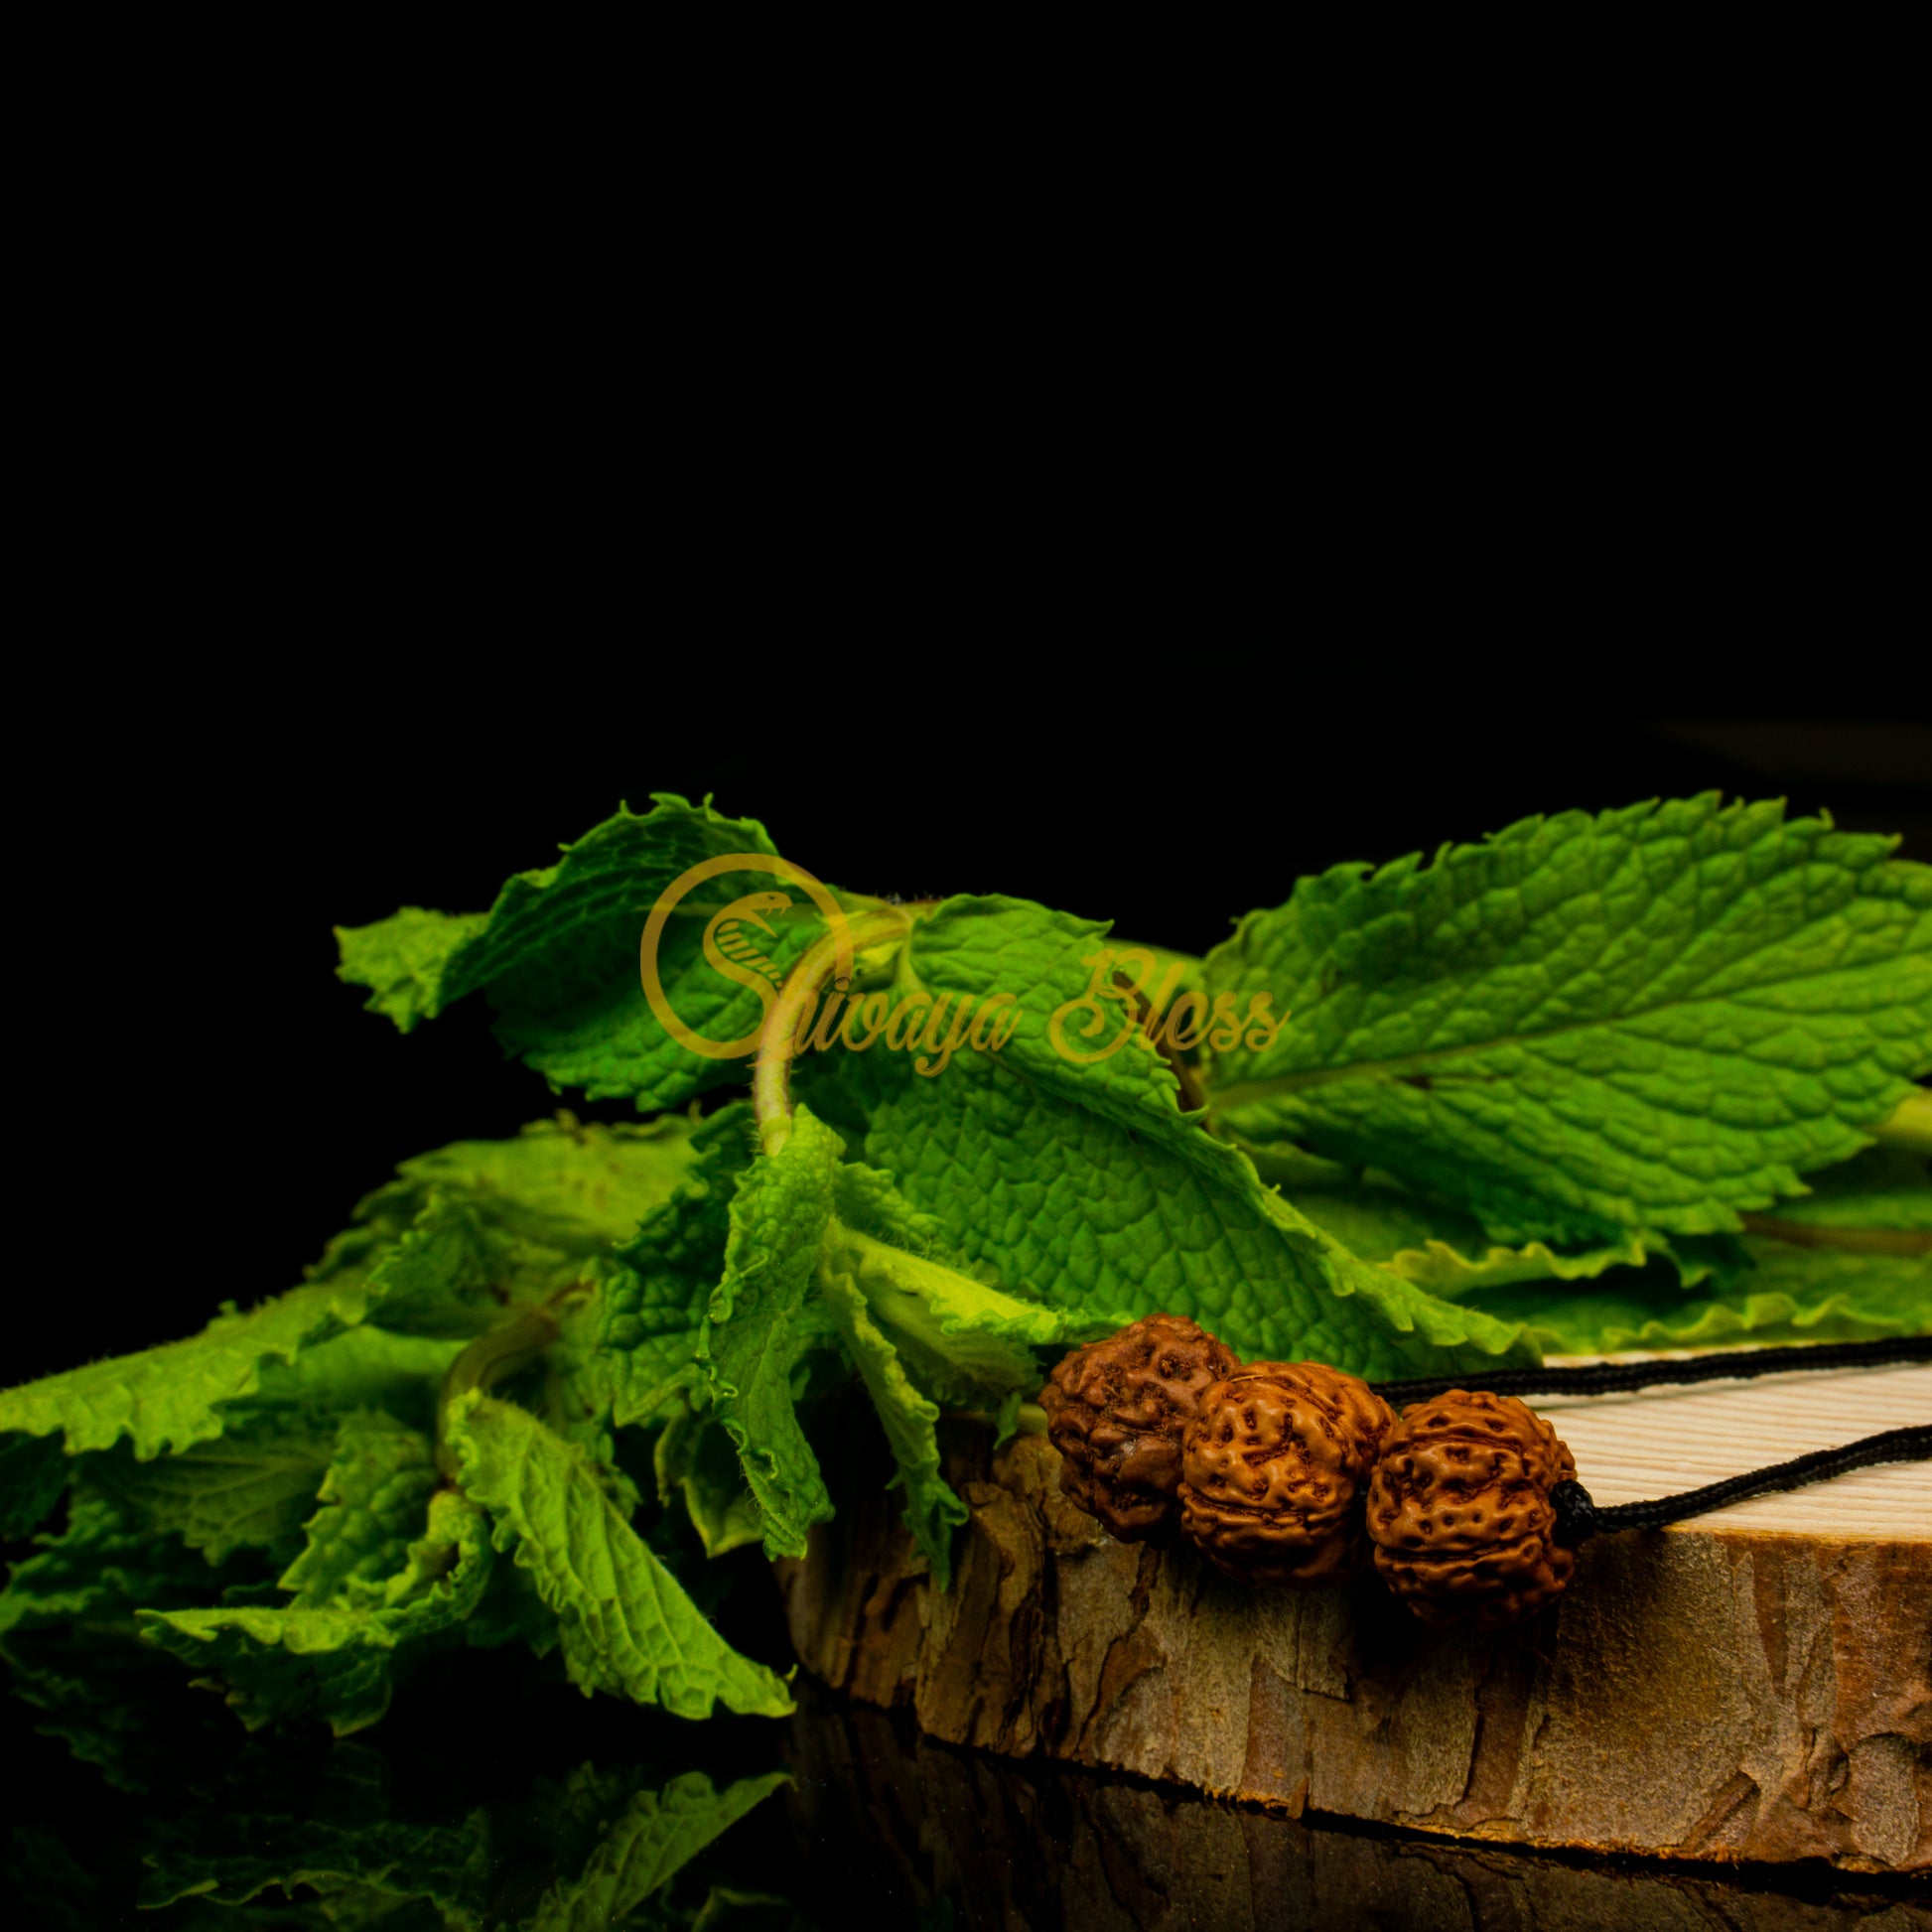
1579,1517
1617,1378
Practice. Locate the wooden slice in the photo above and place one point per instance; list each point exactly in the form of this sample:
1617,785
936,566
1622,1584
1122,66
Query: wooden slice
1752,1685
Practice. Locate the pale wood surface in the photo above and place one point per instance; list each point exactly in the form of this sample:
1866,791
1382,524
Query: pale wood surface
1660,1440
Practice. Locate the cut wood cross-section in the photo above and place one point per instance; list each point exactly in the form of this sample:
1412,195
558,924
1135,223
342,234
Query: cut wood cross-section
1755,1683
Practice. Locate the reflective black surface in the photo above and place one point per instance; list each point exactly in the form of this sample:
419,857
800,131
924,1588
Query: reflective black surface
492,1798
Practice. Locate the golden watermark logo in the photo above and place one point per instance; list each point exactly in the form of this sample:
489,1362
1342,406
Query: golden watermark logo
1119,1005
1114,1000
728,948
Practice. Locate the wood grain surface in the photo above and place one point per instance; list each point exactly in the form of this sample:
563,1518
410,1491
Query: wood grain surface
1630,1447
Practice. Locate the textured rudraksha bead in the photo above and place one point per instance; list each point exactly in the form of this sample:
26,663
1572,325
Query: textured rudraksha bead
1115,1410
1274,1469
1460,1514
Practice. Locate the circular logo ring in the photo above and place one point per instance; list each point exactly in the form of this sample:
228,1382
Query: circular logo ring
685,882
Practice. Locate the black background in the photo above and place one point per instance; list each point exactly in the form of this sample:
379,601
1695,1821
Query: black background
1159,737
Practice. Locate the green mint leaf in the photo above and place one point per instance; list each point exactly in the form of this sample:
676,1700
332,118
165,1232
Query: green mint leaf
33,1476
375,1500
1447,1253
473,1226
1790,1295
764,1316
1909,1124
628,1627
1295,1170
868,1202
586,1852
512,1610
633,1348
99,1567
337,1660
336,1826
405,960
172,1397
278,1665
644,1847
1656,1019
973,948
441,1275
558,958
250,1488
366,1368
966,1342
578,1187
1104,1223
1885,1188
963,1339
67,1633
1381,1223
789,1259
1086,1187
694,1458
933,1511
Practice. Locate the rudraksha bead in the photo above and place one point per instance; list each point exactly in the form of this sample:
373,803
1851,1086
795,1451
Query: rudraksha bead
1115,1410
1274,1469
1459,1511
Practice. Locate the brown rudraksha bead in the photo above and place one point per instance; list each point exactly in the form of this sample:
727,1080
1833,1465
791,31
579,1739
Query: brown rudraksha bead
1274,1469
1460,1514
1115,1410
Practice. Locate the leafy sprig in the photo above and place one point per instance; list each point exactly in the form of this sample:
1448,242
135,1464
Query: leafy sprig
1636,1080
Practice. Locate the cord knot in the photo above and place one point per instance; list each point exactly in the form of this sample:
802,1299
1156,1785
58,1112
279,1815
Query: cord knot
1576,1514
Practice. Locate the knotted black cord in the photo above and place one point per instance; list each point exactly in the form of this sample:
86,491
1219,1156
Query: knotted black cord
1617,1378
1579,1517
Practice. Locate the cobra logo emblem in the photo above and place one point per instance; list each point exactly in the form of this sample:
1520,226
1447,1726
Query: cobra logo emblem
731,950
